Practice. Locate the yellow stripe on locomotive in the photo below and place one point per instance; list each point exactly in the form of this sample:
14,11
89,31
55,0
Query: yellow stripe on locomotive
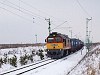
54,46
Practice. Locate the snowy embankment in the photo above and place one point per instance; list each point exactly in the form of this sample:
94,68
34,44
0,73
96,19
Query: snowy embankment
90,65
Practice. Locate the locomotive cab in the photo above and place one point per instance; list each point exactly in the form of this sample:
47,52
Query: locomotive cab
56,44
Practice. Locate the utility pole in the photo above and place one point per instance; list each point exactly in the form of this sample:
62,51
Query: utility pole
70,30
19,5
87,33
71,33
36,38
49,28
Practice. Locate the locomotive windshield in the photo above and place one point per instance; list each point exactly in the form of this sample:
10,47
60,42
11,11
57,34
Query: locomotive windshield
50,40
57,39
54,39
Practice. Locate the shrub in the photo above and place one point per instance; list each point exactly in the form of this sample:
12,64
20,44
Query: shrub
1,62
41,55
13,61
5,60
23,59
31,58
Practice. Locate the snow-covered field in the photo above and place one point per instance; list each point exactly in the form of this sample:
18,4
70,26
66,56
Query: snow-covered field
90,65
31,54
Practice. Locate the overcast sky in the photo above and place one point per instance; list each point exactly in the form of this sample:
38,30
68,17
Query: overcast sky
21,20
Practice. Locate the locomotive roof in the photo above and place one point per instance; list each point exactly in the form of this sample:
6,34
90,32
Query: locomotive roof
53,34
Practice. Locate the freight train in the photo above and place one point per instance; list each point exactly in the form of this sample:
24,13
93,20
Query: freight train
59,45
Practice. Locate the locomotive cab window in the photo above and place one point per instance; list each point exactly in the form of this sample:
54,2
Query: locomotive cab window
76,42
57,39
68,41
50,40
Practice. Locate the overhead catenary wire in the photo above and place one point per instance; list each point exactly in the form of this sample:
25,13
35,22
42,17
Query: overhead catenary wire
37,15
27,12
59,25
83,8
30,13
31,6
16,9
38,9
42,12
19,5
15,14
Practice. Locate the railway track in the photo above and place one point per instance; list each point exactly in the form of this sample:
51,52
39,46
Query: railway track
37,65
28,68
31,67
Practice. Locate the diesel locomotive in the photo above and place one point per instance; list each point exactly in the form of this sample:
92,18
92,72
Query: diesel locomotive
59,45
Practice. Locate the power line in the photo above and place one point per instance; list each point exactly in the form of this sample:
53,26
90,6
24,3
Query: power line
37,9
83,8
15,14
24,10
58,25
19,8
29,12
19,5
32,7
41,12
16,9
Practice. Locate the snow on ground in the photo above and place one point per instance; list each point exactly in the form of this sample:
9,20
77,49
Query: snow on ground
90,65
60,67
18,52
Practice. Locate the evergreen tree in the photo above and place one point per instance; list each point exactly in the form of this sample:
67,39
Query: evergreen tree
41,55
31,58
5,60
1,62
23,59
13,61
